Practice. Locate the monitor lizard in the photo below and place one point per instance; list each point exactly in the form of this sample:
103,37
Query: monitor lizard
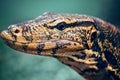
87,44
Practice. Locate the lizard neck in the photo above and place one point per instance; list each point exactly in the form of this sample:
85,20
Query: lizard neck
108,66
111,49
89,71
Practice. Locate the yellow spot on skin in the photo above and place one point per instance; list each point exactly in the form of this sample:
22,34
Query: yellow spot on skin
32,46
90,52
74,46
36,38
21,39
89,43
109,68
93,67
49,45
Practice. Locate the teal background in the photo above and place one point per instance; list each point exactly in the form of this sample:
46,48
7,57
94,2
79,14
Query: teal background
19,66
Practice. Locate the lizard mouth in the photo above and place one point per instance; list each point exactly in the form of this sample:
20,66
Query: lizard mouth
36,47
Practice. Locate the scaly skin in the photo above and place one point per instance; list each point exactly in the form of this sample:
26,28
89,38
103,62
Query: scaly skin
88,45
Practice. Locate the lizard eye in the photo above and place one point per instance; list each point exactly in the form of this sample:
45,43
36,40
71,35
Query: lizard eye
93,36
61,26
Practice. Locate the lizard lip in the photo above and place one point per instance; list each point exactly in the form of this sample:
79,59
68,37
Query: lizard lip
5,35
2,34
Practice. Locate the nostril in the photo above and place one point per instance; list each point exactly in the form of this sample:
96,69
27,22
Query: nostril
93,36
17,31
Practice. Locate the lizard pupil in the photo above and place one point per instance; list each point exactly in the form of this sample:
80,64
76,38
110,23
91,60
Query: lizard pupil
61,26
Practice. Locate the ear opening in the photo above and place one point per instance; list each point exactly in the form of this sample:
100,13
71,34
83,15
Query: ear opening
93,36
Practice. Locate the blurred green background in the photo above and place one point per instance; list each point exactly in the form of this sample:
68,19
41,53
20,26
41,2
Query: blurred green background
19,66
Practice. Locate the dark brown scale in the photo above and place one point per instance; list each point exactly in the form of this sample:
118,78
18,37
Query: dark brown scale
54,50
40,48
25,47
71,60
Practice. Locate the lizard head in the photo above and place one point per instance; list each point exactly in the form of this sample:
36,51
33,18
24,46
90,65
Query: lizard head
73,39
53,33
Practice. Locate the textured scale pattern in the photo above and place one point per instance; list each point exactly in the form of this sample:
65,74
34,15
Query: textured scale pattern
87,44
